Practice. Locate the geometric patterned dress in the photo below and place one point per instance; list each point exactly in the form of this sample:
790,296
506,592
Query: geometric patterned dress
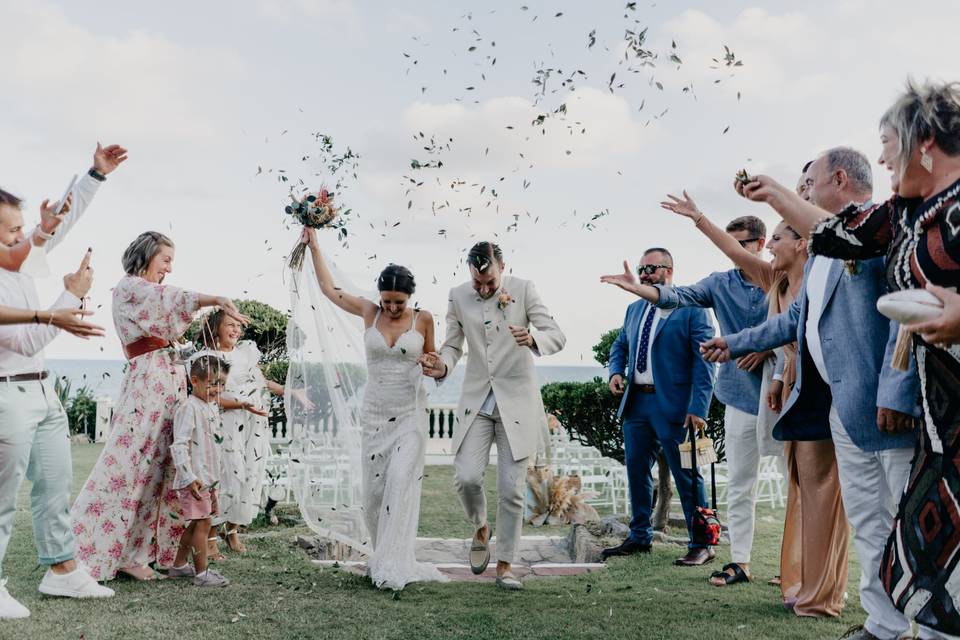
921,240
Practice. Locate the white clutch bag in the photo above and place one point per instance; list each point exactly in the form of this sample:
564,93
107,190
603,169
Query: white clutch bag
910,306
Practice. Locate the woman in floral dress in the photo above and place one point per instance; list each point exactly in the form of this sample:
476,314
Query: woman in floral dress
918,230
126,515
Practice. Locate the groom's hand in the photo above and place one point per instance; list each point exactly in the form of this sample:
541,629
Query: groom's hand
433,366
522,336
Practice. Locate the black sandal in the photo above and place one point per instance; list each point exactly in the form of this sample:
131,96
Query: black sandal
738,575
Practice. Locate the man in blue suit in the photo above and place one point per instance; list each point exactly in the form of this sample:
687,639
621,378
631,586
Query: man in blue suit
844,379
655,365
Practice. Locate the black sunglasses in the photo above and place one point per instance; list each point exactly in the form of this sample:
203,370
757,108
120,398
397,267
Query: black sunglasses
650,269
744,243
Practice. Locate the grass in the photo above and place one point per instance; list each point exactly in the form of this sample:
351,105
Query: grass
277,593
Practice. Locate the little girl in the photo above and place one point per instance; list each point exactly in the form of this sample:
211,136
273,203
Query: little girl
245,448
196,457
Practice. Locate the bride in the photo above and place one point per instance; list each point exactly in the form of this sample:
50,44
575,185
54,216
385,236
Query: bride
393,418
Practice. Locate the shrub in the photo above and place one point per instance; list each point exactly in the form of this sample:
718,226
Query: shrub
82,412
588,412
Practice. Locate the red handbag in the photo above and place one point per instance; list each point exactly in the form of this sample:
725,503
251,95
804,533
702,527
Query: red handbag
705,525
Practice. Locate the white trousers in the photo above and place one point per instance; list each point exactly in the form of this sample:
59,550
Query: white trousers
470,465
743,468
871,483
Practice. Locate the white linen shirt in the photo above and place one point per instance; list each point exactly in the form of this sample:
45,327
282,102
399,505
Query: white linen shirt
195,452
21,345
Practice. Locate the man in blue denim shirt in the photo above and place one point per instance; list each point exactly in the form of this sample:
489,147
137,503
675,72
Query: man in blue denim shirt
737,303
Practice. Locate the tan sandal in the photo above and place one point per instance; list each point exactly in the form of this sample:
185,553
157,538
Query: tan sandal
235,544
141,573
213,549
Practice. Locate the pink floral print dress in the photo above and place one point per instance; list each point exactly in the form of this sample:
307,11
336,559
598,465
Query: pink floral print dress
127,513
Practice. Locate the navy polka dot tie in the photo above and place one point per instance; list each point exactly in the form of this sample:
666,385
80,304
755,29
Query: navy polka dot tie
644,346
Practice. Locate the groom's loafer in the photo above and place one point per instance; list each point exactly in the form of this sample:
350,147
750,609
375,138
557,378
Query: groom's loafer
479,556
696,557
509,582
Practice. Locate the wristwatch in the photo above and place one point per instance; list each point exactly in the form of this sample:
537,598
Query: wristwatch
96,175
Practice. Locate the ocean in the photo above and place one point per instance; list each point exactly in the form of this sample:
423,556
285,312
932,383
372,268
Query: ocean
103,377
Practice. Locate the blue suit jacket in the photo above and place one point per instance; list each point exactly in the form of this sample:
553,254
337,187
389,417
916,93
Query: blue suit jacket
857,343
684,381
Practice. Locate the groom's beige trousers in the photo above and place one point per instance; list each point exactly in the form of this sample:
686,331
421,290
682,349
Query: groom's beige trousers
470,464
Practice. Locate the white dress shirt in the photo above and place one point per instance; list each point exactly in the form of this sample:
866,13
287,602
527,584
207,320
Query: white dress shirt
194,450
816,291
647,376
21,345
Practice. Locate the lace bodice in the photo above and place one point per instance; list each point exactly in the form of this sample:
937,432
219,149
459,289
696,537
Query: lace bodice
394,379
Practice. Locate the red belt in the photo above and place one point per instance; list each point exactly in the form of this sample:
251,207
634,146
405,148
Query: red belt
144,345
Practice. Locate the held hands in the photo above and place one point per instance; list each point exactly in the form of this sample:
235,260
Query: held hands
684,206
522,336
107,159
891,421
945,328
49,218
715,350
775,396
433,366
195,489
616,385
79,282
626,280
751,361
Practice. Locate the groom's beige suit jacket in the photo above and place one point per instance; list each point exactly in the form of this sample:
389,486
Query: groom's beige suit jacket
496,360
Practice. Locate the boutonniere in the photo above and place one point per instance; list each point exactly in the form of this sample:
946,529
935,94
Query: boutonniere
504,300
852,266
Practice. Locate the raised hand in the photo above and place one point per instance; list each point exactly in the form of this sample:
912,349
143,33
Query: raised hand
231,310
107,159
759,189
433,365
49,218
626,280
715,350
71,321
684,206
309,238
945,328
79,282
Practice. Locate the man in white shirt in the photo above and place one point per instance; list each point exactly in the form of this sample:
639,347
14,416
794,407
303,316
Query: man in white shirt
34,434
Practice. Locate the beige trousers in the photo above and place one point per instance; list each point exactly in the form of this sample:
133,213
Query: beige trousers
470,465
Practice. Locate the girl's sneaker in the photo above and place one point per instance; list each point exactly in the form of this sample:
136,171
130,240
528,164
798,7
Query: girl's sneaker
186,571
210,578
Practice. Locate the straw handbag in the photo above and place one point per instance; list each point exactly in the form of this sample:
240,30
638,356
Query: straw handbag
706,454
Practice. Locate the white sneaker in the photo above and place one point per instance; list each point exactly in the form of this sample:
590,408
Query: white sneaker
76,584
9,607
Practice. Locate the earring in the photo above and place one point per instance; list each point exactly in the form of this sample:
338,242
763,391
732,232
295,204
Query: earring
926,161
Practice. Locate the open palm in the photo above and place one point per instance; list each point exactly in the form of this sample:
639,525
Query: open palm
625,280
685,206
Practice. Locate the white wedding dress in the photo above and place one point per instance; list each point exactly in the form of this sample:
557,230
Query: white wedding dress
394,424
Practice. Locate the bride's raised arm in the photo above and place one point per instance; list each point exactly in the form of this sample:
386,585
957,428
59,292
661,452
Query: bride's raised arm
756,268
348,302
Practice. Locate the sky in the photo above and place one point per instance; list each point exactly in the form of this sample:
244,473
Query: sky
213,99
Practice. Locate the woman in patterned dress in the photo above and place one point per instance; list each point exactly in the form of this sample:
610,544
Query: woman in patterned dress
126,515
918,230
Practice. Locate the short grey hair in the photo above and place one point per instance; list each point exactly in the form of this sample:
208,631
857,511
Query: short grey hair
141,251
854,164
931,110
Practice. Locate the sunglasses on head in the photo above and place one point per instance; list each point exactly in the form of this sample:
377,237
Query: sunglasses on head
744,243
650,269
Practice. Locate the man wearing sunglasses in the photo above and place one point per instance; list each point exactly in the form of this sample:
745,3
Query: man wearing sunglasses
736,302
653,365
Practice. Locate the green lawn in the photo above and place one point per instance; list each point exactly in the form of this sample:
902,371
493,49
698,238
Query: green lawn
277,593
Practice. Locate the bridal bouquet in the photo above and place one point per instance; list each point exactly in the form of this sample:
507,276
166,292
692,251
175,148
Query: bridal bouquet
313,211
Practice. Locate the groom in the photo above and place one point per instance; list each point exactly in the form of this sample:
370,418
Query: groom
500,401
